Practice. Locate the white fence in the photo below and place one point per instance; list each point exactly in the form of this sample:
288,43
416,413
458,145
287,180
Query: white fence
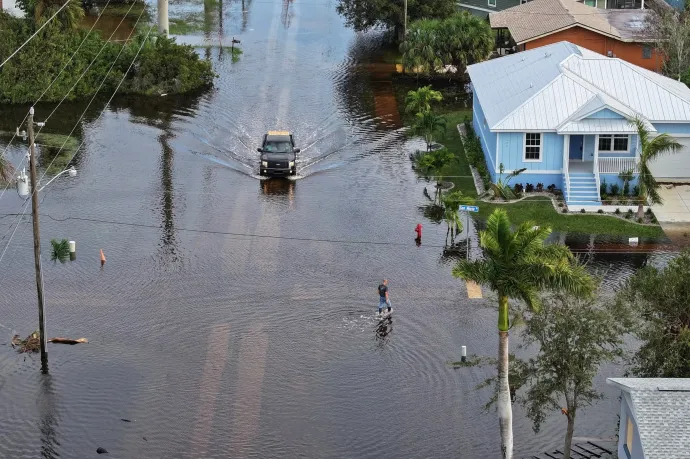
617,165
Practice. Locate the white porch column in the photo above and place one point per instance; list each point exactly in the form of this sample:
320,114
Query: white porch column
566,151
596,153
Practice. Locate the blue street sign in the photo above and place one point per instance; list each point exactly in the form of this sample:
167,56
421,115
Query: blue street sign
470,208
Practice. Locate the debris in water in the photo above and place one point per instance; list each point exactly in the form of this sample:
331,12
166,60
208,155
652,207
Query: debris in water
144,438
32,343
126,420
101,450
68,340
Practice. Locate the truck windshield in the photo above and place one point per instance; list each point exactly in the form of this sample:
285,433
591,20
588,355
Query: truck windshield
278,147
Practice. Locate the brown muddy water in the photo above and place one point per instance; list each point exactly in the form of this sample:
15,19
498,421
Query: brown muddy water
234,316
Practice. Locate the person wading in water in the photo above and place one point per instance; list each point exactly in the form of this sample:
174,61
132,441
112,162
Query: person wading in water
384,300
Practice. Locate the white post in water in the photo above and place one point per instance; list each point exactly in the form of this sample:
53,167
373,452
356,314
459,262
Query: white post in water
163,17
463,354
72,246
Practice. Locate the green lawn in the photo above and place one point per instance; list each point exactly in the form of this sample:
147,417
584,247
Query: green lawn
533,209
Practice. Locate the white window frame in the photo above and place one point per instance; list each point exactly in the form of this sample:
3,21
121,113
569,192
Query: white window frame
491,4
612,151
541,147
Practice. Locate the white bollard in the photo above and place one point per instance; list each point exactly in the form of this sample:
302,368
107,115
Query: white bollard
463,353
72,246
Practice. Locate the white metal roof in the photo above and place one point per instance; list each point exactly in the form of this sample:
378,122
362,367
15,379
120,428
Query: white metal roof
595,126
547,87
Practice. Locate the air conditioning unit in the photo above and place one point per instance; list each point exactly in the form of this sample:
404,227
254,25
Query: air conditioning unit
609,53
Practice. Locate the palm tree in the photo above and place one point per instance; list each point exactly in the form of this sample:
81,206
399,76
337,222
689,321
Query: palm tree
451,203
518,264
435,161
420,48
428,124
69,18
650,149
419,101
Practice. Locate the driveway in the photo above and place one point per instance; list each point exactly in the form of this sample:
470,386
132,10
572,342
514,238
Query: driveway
676,207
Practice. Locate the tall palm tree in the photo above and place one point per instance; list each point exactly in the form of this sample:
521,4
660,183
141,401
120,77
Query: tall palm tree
518,264
419,101
650,149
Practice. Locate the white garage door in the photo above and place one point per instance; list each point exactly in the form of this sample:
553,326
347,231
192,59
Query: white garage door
675,167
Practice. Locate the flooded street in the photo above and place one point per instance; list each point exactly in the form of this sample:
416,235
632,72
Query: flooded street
234,316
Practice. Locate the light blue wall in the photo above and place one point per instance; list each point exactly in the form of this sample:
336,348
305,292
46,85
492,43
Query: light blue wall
613,178
486,137
605,114
512,152
672,128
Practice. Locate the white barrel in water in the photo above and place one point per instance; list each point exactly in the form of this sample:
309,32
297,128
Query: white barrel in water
463,353
72,246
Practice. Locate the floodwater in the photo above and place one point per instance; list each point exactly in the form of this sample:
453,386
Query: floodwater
233,317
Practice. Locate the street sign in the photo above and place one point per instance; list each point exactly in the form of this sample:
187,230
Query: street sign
470,208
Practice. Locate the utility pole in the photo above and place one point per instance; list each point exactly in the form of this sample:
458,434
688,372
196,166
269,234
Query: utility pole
163,27
37,242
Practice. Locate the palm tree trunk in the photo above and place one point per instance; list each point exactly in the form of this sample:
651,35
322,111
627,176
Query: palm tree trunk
640,210
569,434
505,410
447,231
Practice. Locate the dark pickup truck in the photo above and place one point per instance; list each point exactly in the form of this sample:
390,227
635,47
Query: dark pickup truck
278,154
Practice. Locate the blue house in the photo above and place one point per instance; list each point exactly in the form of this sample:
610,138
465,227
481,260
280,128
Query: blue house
562,112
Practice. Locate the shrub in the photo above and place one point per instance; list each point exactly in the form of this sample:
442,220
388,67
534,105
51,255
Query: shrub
628,216
518,188
600,211
604,197
640,220
582,211
475,154
617,212
630,212
614,189
560,204
654,220
649,211
603,187
636,191
540,187
551,187
565,210
529,188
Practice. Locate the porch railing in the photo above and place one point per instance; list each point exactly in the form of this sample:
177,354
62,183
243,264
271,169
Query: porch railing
617,165
566,179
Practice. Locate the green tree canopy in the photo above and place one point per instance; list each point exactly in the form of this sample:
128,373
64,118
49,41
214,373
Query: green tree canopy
364,14
660,299
458,40
575,337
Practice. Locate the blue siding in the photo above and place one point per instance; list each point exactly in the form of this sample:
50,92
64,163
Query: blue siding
673,128
486,137
605,114
613,178
512,152
589,148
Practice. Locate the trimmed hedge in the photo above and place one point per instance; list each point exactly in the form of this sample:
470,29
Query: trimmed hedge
475,154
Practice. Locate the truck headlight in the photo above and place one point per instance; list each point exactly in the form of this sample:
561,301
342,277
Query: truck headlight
264,163
292,164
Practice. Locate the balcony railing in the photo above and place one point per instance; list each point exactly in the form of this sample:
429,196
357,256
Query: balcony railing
617,165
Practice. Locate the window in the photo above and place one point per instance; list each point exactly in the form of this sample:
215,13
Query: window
629,433
647,52
614,143
492,3
532,146
591,3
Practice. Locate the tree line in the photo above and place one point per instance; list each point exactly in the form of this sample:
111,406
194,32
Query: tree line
163,66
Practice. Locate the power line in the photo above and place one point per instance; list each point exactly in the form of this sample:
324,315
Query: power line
34,34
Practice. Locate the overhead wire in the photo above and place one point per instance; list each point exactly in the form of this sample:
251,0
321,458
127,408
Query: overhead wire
87,107
86,36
